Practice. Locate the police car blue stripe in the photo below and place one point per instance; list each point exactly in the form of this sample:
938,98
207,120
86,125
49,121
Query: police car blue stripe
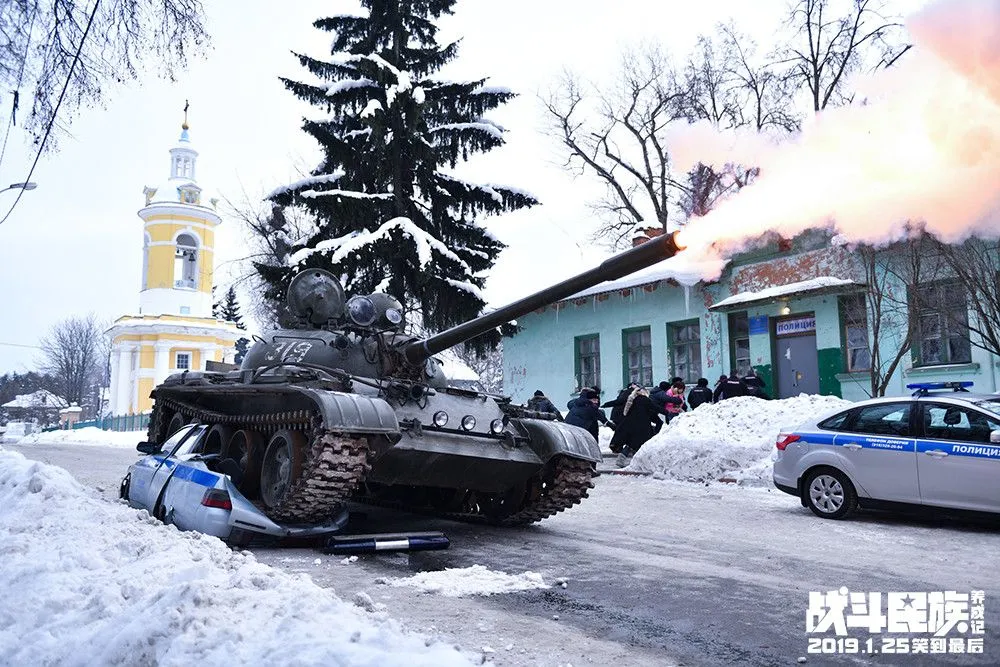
817,438
973,449
195,475
876,442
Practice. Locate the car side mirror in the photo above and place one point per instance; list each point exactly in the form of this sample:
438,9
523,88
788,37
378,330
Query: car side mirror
995,437
153,448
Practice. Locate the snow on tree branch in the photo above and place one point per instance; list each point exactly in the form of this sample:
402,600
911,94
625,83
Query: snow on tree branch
343,246
305,182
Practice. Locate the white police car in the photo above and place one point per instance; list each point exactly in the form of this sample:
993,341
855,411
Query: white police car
939,448
189,484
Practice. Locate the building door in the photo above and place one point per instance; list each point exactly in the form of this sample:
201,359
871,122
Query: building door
798,364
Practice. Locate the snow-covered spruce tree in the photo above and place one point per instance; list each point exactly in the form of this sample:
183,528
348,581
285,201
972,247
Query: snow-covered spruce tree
229,310
390,213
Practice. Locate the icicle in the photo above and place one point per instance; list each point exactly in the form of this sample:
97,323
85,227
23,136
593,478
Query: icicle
687,299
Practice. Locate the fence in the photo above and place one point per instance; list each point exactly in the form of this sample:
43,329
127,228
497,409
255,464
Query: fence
118,423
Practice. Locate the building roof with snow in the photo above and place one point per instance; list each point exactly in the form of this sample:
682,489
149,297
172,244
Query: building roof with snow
41,399
812,287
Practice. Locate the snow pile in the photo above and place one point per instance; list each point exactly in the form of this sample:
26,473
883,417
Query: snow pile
90,435
732,439
475,580
86,582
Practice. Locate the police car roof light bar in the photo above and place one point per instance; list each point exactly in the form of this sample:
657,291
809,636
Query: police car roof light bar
923,388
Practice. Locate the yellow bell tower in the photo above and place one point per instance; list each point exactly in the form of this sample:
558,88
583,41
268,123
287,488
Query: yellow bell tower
174,330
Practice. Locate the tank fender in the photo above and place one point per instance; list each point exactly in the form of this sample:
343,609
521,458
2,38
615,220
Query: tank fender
551,438
355,413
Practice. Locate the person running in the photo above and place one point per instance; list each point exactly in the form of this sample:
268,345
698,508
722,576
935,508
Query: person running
540,403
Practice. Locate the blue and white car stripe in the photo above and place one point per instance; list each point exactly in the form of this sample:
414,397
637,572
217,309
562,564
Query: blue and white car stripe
973,449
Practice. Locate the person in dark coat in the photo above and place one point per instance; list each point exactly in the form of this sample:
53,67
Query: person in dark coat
755,385
584,412
539,403
733,386
637,425
659,395
717,392
617,408
700,394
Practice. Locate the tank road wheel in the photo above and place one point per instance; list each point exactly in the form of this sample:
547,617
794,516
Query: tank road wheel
246,448
175,424
282,467
217,438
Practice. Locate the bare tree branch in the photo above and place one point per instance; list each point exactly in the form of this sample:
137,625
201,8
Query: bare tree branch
75,353
834,39
41,37
617,133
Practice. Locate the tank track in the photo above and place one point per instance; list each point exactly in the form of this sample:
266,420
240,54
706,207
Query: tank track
334,464
570,483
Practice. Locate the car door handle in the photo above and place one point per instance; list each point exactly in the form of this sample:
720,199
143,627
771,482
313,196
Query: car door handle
852,446
936,453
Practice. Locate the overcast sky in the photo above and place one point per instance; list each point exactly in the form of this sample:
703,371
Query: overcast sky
74,244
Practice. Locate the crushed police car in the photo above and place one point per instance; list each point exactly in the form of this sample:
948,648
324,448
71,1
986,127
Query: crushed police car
938,449
182,484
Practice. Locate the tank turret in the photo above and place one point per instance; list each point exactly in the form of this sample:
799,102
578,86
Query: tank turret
345,406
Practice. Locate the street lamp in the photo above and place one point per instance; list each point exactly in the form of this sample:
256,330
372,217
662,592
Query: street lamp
21,186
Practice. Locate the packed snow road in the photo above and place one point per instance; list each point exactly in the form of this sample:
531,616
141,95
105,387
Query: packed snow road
656,572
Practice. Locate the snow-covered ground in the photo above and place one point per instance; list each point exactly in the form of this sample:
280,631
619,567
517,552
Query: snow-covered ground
473,580
92,582
733,439
89,435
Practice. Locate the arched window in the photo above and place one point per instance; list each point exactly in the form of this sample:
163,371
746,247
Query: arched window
145,261
186,262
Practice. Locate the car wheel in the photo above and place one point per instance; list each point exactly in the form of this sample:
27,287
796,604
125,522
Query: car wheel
830,494
246,448
123,489
281,467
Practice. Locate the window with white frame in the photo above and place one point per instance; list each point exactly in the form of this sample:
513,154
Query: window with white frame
854,315
739,343
685,350
942,324
186,262
189,195
182,361
588,361
638,356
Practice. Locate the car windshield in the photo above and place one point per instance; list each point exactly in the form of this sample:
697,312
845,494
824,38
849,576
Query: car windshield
991,405
181,443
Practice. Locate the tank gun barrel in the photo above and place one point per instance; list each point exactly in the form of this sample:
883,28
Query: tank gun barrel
619,266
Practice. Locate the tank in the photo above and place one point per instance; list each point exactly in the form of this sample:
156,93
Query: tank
343,406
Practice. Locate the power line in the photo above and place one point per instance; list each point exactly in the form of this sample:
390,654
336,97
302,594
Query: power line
20,78
55,111
33,347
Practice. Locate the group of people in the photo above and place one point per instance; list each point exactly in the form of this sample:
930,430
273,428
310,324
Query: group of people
636,412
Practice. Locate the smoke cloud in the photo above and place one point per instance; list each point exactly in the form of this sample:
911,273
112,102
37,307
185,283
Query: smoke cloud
923,148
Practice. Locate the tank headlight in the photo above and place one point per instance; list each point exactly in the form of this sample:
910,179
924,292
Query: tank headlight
440,418
468,422
362,311
496,426
394,316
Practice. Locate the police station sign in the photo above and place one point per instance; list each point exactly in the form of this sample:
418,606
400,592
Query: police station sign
902,622
799,325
